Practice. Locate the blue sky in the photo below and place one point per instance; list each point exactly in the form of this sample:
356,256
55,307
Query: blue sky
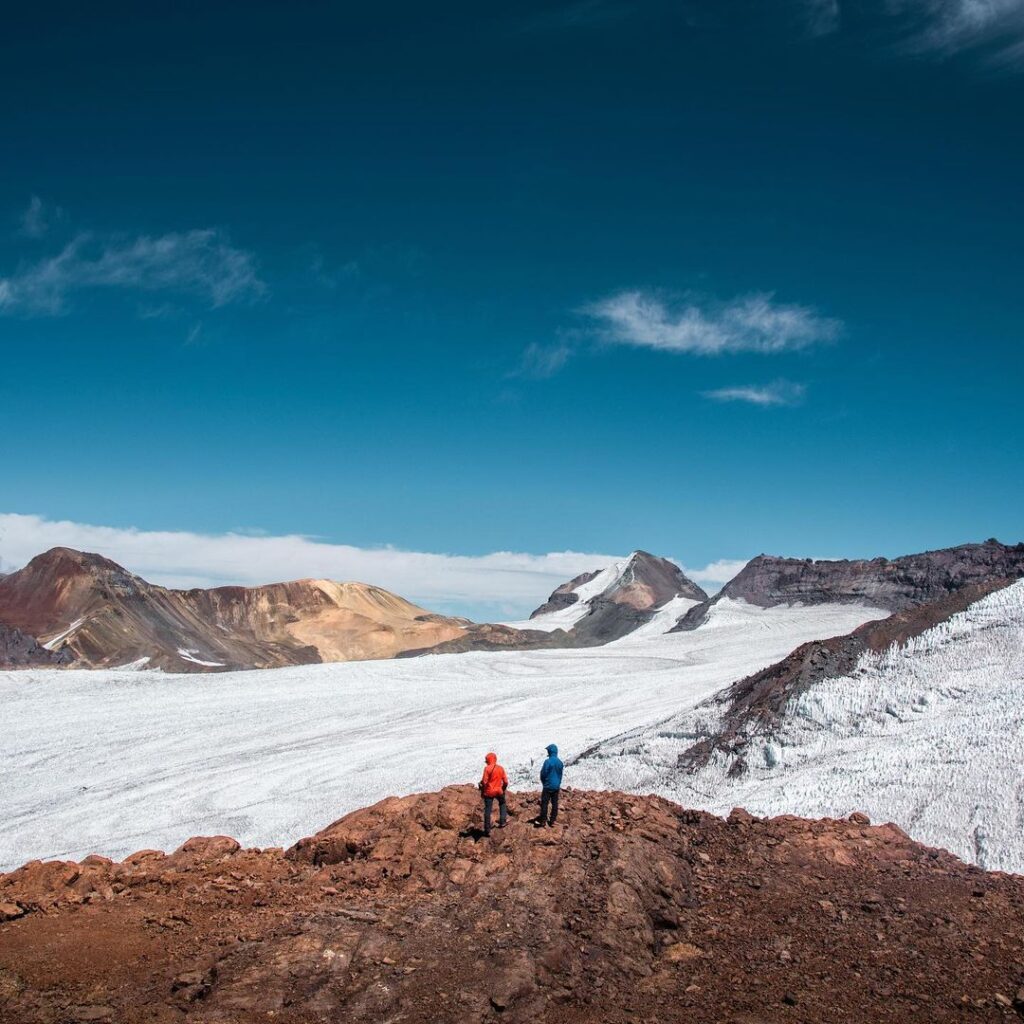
707,279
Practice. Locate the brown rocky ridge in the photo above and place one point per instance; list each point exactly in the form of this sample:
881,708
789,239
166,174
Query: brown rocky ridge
97,614
495,636
755,706
893,584
18,650
630,909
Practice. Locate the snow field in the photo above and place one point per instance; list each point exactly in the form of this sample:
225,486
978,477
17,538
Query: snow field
929,735
114,761
566,618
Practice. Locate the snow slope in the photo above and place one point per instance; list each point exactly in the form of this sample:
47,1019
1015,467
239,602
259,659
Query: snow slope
113,761
566,618
664,619
929,735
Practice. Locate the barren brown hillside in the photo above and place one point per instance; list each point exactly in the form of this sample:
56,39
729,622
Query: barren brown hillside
631,909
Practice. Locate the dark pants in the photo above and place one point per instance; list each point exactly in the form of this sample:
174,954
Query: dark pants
502,811
548,797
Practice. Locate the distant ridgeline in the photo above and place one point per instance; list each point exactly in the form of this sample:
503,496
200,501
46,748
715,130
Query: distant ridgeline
67,607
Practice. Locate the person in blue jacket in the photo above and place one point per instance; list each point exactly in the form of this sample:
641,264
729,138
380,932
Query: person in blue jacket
551,783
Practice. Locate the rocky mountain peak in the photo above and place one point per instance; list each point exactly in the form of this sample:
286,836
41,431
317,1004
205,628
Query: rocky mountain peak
661,578
564,595
597,607
888,583
891,584
641,580
69,560
101,615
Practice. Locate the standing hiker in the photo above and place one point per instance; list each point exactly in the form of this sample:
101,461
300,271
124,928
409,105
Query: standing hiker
551,781
492,787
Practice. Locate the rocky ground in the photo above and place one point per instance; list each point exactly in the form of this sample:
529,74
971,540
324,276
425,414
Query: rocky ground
18,650
631,909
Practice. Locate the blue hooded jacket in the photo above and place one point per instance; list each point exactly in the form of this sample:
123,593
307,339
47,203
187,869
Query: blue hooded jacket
551,770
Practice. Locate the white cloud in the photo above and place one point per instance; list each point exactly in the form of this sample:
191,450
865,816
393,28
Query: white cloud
750,323
38,217
506,583
992,28
542,361
202,263
779,392
719,573
503,584
949,26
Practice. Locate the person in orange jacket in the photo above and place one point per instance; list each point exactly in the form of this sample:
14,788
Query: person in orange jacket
492,787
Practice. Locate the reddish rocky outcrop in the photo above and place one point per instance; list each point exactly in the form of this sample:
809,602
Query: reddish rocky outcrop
631,909
18,650
893,584
494,636
100,615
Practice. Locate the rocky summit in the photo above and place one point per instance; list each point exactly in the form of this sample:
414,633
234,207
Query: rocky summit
590,610
629,909
97,614
893,584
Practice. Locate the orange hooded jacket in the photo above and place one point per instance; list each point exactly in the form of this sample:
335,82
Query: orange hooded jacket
494,778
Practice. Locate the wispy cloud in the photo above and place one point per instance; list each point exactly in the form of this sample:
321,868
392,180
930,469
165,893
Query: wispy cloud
38,218
376,272
994,29
539,362
779,392
750,323
201,263
949,26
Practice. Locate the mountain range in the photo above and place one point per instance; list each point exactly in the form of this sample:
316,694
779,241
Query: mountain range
593,609
68,607
99,615
886,690
894,584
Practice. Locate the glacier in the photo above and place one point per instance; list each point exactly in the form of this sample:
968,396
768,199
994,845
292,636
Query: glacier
111,761
928,734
